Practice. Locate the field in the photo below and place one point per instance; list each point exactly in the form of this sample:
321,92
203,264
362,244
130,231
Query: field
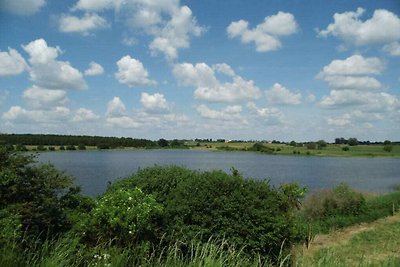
366,244
331,150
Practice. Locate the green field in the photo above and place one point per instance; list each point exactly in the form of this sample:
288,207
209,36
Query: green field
331,150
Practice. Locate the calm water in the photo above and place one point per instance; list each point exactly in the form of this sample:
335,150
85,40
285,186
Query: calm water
94,169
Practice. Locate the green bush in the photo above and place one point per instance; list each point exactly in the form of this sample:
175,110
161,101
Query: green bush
200,205
33,193
122,217
341,200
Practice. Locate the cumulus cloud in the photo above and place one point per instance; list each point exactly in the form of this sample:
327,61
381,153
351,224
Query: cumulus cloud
272,116
94,69
22,7
155,103
11,63
169,24
123,122
41,98
279,94
265,35
18,114
354,65
209,88
354,118
132,72
381,29
370,101
47,72
393,49
85,115
84,25
353,73
229,113
115,107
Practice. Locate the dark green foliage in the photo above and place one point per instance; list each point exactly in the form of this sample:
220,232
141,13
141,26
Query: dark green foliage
261,148
52,148
387,148
321,144
353,141
81,147
200,205
62,148
345,148
103,146
162,143
41,148
70,147
311,145
33,193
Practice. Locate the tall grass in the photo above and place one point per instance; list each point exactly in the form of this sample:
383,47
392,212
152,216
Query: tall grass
65,252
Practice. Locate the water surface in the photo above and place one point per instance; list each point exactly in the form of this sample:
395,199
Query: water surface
94,169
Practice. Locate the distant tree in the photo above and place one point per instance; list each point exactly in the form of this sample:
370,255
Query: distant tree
176,143
292,143
345,148
81,147
353,141
340,141
162,142
387,142
41,148
70,147
387,148
311,145
321,144
52,148
62,148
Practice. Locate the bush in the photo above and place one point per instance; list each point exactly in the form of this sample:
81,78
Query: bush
201,205
345,148
341,200
122,217
33,193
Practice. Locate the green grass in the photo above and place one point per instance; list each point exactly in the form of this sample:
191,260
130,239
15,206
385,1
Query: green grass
377,247
331,150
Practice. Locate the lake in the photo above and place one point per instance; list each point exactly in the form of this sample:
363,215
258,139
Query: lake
93,170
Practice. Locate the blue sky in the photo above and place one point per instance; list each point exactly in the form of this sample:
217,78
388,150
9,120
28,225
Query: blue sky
284,70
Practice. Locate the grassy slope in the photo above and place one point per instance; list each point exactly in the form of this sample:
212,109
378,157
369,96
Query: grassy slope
372,244
330,150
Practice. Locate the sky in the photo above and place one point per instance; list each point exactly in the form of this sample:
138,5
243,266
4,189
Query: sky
237,70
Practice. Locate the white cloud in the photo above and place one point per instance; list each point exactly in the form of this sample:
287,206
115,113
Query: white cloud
279,94
393,49
3,96
209,88
265,35
382,28
47,72
84,25
169,24
154,103
94,69
132,72
224,69
115,107
353,82
353,118
272,116
176,33
371,101
22,7
354,65
84,115
229,113
339,121
40,98
40,52
11,63
18,114
123,122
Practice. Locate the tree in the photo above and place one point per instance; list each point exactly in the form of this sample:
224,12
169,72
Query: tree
353,141
292,143
32,192
387,148
321,144
311,145
162,142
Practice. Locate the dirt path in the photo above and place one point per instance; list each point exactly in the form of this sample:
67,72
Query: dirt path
342,236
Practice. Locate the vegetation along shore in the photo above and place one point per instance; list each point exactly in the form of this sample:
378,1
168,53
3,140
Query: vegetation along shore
172,216
341,147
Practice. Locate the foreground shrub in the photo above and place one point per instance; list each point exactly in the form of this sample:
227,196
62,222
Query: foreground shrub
33,193
339,201
200,205
122,217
